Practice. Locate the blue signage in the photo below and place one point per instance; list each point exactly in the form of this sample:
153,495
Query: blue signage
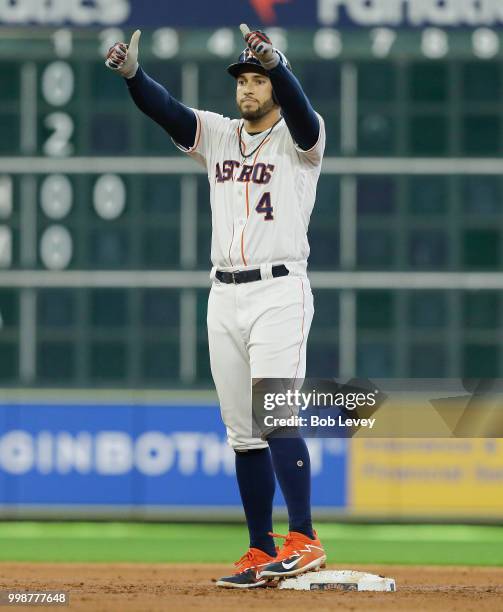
282,13
131,456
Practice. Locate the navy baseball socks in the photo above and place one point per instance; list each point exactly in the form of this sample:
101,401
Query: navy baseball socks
302,550
255,475
290,458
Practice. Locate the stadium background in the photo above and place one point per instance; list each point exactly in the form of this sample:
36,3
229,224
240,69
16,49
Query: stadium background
106,401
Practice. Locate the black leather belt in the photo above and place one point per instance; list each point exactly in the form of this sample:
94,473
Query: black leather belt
249,276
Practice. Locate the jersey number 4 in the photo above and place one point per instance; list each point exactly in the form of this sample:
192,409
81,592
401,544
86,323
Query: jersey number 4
264,207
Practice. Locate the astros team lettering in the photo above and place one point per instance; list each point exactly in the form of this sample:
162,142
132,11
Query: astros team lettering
259,173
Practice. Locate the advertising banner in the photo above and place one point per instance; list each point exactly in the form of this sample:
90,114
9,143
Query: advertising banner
131,457
282,13
439,478
138,460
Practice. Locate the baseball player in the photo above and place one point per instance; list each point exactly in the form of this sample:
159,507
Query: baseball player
263,170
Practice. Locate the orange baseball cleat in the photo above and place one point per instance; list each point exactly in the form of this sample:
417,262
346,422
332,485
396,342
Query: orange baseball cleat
247,574
299,554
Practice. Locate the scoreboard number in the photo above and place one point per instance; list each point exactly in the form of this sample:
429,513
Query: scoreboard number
327,43
382,41
165,43
58,87
63,42
58,83
486,43
109,196
58,144
56,192
222,42
56,196
434,43
56,247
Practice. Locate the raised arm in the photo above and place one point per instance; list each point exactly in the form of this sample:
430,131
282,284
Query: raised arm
155,101
296,108
150,97
299,115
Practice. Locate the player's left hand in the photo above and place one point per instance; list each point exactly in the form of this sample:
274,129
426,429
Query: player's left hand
261,47
123,58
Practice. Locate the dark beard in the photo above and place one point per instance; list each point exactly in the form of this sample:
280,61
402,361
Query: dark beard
261,111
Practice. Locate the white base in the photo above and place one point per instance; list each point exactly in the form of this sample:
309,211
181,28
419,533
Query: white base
342,580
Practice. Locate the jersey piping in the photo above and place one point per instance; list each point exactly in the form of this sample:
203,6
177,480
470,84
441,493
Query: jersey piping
248,201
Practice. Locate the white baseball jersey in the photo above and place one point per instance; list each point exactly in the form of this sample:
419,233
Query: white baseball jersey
261,205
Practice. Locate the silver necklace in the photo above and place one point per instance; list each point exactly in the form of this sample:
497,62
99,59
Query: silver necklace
245,157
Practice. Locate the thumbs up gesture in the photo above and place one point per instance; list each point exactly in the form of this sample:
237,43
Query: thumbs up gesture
123,58
261,46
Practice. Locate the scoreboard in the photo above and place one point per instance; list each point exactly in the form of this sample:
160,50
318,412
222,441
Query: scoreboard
58,103
95,201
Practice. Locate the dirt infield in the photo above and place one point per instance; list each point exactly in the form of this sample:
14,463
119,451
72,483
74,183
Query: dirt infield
145,588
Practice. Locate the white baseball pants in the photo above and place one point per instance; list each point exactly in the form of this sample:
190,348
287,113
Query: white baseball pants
256,330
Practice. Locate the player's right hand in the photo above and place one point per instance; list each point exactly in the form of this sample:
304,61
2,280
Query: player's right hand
123,58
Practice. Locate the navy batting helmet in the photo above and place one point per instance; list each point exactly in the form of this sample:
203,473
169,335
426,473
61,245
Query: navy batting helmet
247,62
